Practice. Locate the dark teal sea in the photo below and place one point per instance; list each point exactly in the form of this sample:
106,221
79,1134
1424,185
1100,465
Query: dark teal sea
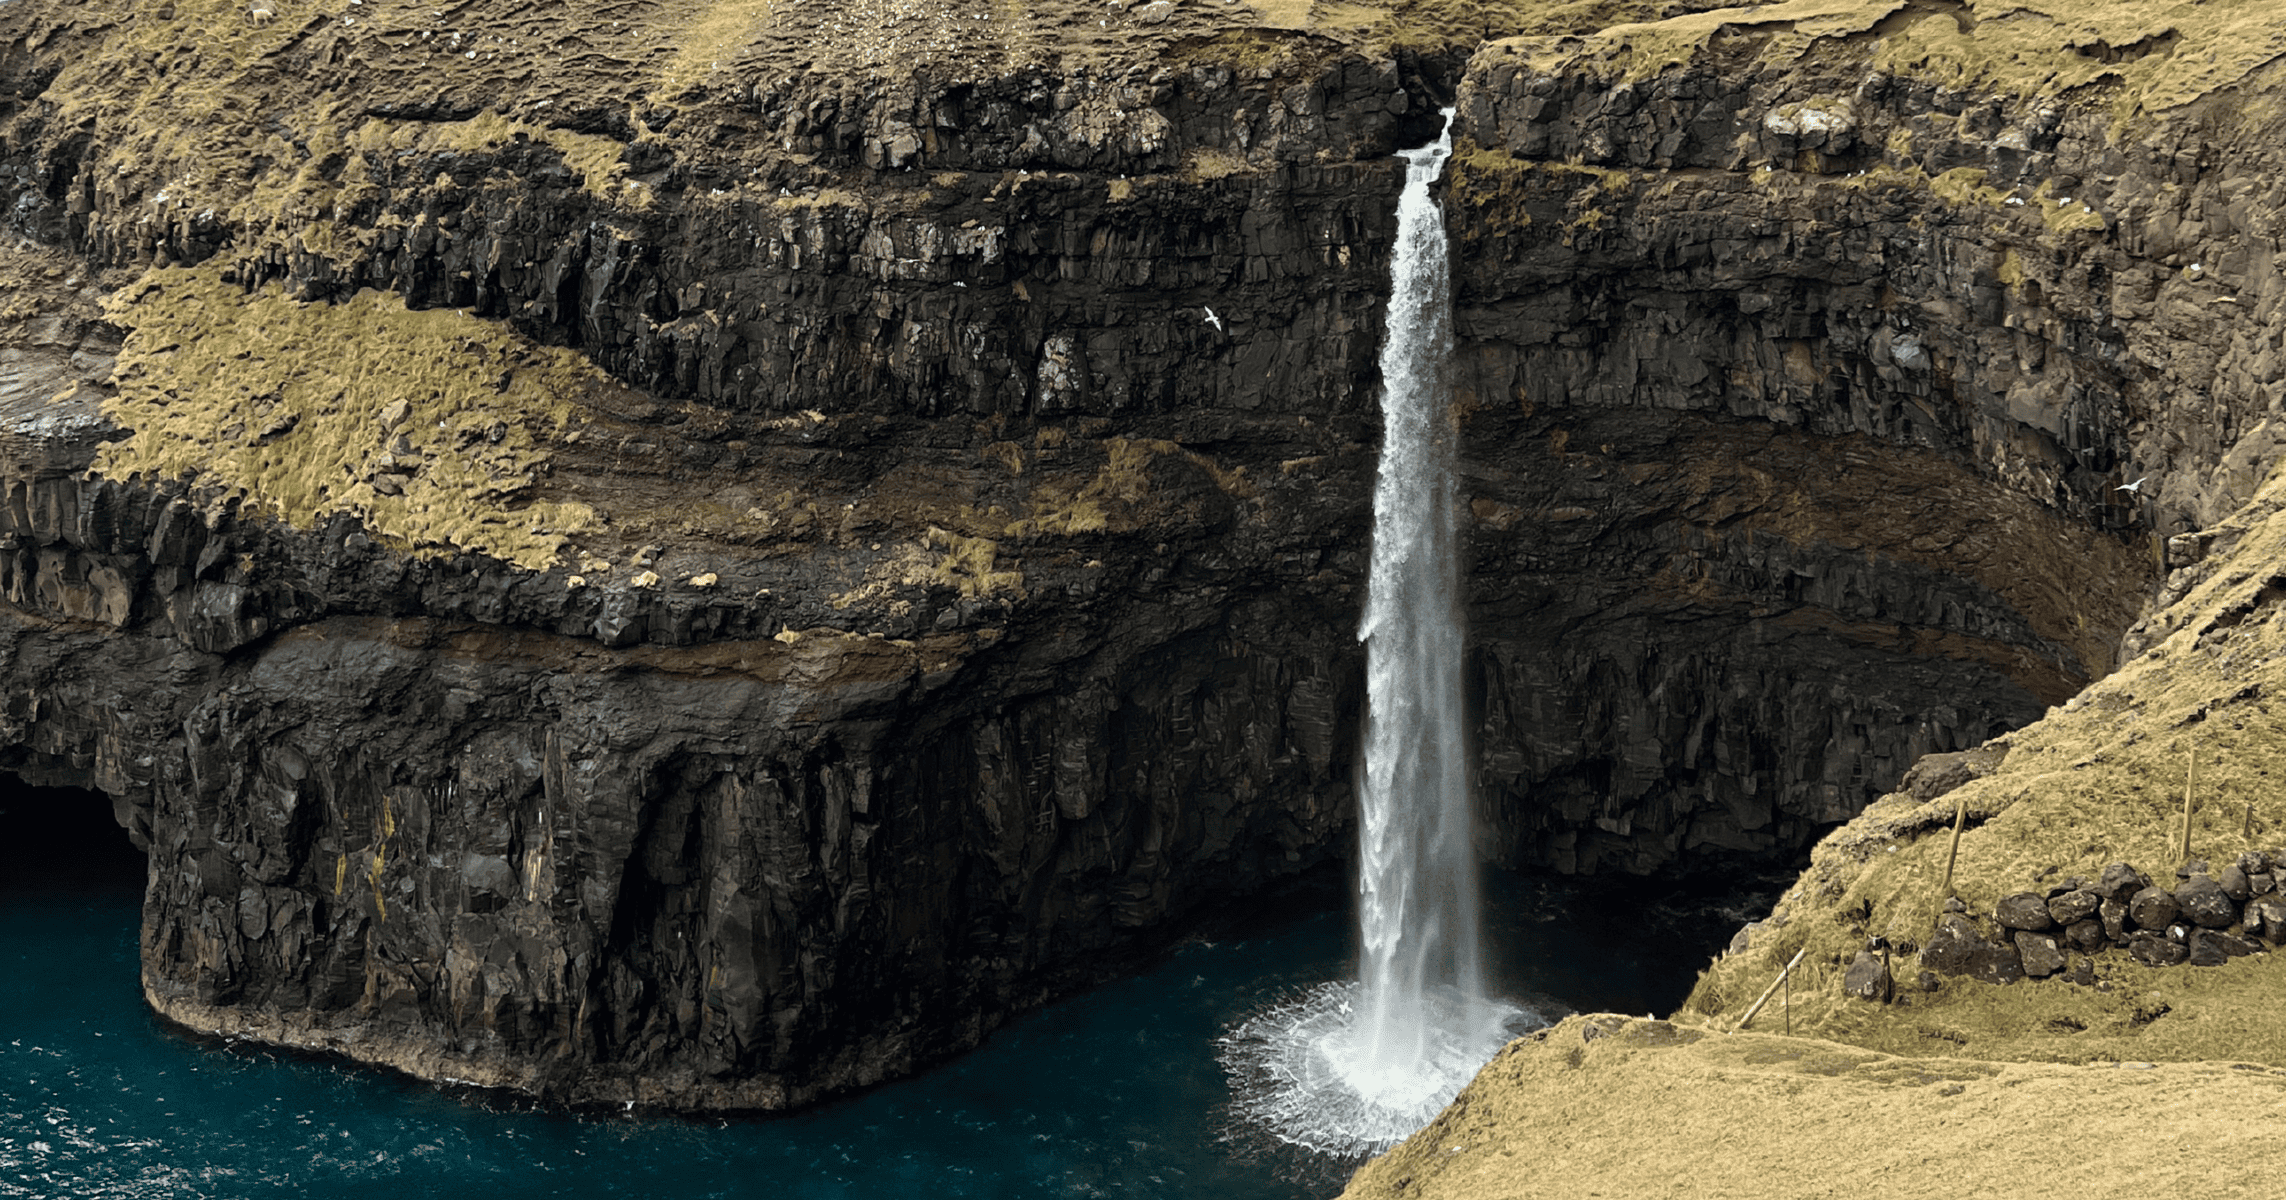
1113,1093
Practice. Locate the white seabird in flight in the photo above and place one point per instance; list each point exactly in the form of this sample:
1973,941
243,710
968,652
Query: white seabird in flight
1212,319
2135,488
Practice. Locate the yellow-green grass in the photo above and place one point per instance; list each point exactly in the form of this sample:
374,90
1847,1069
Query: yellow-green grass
1646,1110
297,410
2154,56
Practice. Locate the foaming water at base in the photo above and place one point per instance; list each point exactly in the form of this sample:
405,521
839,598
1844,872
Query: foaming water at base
1297,1073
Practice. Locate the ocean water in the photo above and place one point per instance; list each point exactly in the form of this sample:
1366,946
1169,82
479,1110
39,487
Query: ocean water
1113,1093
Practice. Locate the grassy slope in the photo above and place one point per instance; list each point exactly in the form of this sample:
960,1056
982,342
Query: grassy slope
2147,56
1644,1111
304,408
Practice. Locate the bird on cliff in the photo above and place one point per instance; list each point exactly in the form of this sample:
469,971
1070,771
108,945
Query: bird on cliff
1212,319
2135,488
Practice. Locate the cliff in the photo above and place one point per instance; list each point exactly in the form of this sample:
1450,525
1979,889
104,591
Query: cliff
2140,314
707,554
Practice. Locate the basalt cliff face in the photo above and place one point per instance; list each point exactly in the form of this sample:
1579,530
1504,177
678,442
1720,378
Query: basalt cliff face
2051,233
705,555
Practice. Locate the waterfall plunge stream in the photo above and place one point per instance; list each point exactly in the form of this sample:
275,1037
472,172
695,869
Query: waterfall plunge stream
1353,1068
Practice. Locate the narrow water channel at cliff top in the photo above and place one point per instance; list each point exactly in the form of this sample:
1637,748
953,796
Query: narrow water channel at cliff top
1114,1093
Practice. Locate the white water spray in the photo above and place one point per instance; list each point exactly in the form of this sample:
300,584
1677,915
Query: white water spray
1355,1068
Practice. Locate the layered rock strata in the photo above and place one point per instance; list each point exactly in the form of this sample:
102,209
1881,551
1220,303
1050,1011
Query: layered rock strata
841,547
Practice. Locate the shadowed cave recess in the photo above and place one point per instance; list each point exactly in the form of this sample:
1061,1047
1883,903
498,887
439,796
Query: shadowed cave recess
914,606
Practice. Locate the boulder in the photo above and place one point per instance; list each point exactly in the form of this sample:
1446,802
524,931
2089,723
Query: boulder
2114,916
1935,775
2205,952
2266,917
2024,910
2229,943
2195,866
2073,907
2234,883
1868,978
2152,950
2120,882
2203,901
2152,908
2038,953
2086,936
2082,972
2262,884
1958,949
2254,862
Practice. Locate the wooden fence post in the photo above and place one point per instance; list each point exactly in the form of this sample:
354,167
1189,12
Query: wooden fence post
2190,776
1767,992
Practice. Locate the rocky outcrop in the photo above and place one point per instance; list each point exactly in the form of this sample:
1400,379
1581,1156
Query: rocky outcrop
710,585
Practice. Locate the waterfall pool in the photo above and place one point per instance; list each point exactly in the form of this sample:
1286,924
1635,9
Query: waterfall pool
1113,1093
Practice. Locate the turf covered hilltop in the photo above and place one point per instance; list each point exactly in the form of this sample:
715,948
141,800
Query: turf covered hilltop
708,554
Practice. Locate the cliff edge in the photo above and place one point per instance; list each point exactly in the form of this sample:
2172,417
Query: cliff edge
2006,1011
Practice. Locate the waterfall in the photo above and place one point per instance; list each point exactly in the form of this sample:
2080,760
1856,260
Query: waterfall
1417,893
1352,1068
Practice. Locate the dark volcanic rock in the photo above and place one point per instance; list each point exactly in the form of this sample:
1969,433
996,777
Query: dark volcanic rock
2152,908
2024,910
2202,900
2229,943
1937,775
2039,953
1956,948
2073,907
2266,917
2115,921
1868,978
2120,882
2153,950
2086,936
